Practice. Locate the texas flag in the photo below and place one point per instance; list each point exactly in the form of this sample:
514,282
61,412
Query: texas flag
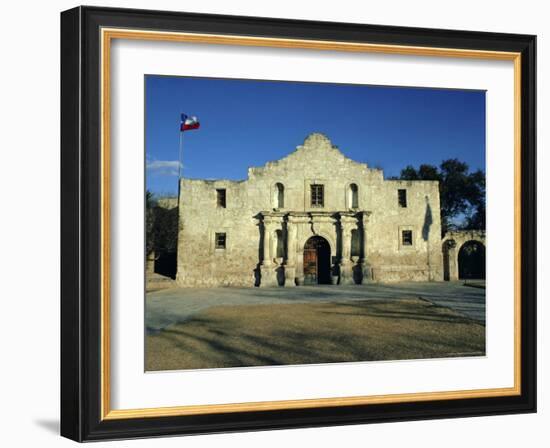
189,123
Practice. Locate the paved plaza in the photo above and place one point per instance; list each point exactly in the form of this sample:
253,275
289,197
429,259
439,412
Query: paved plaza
172,306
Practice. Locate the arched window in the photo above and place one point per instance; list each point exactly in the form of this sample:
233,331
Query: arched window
279,195
353,196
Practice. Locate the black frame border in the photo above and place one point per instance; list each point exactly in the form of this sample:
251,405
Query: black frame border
81,223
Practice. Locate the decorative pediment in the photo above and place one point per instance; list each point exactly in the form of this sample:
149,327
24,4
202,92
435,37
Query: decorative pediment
316,155
317,142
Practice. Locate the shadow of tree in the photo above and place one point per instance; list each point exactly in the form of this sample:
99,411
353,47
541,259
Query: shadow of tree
327,332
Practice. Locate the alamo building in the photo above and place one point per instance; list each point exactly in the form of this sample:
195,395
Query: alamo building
314,216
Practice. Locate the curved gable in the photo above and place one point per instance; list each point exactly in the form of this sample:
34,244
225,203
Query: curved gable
315,157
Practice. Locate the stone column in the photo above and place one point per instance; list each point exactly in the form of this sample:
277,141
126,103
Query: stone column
453,263
267,243
290,265
450,260
347,223
300,221
268,267
365,268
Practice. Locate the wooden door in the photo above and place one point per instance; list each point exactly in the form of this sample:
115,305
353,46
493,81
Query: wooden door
310,265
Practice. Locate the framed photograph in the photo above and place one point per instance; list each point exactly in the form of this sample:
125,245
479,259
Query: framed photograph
274,223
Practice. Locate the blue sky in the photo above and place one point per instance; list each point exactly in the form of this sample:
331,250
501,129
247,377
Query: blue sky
248,123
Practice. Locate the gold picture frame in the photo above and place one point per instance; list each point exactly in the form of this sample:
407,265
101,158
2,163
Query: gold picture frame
123,25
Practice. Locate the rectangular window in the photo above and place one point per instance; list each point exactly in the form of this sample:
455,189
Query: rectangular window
402,198
221,197
317,195
407,238
220,240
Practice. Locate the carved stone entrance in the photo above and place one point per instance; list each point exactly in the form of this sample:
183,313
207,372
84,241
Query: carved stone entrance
317,261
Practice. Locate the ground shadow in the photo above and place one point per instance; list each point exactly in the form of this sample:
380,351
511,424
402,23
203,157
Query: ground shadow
253,335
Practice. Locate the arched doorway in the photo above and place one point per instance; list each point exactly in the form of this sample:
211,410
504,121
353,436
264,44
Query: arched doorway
471,260
316,261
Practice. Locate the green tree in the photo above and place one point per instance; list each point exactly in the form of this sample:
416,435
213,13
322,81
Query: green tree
165,230
161,226
462,193
409,173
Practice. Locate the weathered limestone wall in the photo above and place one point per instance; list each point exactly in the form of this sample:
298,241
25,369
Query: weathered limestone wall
252,217
199,262
389,259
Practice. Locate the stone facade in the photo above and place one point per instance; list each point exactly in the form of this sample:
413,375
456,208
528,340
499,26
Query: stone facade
452,243
315,205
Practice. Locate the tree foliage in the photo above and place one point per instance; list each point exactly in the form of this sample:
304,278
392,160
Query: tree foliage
161,226
462,193
150,205
166,230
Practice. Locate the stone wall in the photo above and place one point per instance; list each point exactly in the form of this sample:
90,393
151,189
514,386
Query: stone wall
253,215
451,244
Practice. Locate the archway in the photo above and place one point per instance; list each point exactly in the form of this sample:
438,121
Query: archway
471,260
316,261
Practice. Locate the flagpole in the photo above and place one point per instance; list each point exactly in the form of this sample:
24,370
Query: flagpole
179,157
